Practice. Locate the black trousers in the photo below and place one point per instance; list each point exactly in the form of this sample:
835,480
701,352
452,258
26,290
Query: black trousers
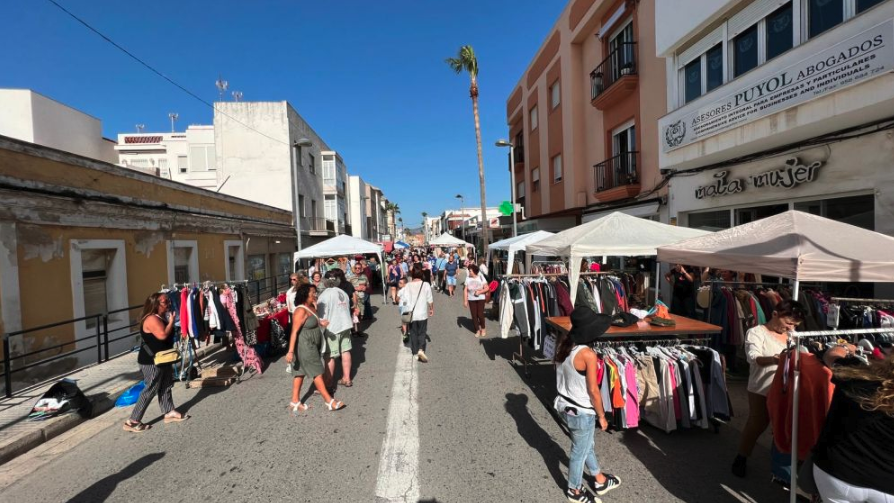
418,331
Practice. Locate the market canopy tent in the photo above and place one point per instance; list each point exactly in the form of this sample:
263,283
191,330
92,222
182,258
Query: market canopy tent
617,234
794,245
339,246
448,240
401,245
517,244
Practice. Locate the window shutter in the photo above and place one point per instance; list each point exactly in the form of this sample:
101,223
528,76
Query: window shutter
700,47
756,11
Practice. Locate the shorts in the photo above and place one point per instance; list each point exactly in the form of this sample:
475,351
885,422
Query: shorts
451,280
339,343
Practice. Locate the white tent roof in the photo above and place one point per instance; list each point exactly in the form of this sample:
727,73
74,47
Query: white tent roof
793,245
617,234
448,240
338,246
519,243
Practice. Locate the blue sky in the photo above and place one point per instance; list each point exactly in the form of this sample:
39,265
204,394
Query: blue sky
369,76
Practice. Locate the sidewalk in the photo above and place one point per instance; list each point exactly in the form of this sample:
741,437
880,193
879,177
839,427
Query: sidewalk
101,383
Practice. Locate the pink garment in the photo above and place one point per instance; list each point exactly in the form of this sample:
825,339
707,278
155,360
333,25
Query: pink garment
184,313
247,353
632,405
595,267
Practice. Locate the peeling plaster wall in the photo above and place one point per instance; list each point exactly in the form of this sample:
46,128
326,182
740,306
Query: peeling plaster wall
147,242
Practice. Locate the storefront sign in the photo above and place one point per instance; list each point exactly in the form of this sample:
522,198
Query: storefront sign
854,60
793,174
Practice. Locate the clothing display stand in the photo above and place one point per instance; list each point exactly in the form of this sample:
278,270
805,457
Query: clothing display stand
520,355
796,337
734,284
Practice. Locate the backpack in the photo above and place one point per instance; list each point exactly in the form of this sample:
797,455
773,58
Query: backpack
62,397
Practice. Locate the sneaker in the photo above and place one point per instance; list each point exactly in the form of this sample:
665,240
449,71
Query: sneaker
582,496
611,483
739,467
421,356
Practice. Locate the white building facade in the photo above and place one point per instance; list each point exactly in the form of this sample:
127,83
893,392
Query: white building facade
337,202
777,105
359,207
29,116
188,157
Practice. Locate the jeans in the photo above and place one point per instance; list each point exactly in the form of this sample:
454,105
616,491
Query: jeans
476,308
834,490
583,429
367,308
418,332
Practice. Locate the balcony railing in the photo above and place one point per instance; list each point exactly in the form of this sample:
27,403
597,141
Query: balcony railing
617,171
621,62
316,224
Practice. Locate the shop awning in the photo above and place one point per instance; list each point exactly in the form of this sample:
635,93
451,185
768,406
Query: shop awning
793,245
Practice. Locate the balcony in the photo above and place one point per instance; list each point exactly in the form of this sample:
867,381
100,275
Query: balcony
519,153
617,178
615,78
317,226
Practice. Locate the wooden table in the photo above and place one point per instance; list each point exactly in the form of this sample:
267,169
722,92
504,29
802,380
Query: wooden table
684,326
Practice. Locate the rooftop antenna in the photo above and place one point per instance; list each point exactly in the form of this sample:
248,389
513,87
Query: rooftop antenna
237,95
222,86
140,128
173,116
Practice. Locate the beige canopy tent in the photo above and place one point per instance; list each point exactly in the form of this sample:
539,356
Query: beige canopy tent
793,245
446,240
798,246
517,244
616,234
343,245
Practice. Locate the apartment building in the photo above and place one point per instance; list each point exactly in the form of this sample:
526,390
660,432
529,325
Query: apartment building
777,105
336,192
361,226
187,157
32,117
583,117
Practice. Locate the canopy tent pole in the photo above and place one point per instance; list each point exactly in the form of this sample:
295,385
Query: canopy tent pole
796,402
657,279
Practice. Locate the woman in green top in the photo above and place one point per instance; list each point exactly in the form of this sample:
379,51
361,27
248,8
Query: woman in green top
306,342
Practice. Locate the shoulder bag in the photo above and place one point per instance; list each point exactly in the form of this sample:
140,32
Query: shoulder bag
407,317
166,357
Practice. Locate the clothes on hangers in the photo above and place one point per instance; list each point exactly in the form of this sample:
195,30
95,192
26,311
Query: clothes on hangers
524,305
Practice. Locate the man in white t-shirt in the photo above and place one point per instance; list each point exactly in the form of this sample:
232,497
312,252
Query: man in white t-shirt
334,305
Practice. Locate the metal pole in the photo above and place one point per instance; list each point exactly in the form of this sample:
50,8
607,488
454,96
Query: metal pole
7,371
297,211
98,339
793,488
512,191
105,331
657,278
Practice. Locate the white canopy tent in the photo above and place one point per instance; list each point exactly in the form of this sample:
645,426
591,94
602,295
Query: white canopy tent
343,245
798,246
448,240
517,244
617,235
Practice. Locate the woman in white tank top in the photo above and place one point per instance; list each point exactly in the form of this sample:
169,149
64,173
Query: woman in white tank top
580,403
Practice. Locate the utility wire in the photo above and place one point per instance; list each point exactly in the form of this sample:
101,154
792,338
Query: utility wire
157,72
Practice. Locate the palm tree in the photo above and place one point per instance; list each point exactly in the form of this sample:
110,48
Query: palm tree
391,209
424,226
466,61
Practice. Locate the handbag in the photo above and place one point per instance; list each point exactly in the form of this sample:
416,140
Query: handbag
166,357
407,317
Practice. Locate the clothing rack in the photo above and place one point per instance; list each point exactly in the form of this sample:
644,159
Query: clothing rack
796,337
188,284
652,342
520,355
867,301
537,275
733,284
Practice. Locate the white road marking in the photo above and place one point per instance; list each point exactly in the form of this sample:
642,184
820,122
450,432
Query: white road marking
398,479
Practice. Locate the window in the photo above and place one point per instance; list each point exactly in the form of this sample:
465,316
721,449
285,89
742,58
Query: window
714,68
863,5
182,163
624,155
257,267
692,76
710,220
703,74
745,53
780,36
235,260
823,14
535,179
329,171
534,117
94,267
330,208
621,47
554,95
748,215
301,211
519,147
99,285
313,209
856,210
284,264
312,163
557,168
520,190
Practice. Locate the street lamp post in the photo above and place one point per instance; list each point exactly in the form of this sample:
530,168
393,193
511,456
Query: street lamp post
462,215
296,165
504,143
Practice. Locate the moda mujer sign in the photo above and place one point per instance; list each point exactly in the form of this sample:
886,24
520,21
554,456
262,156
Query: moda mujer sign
793,174
769,90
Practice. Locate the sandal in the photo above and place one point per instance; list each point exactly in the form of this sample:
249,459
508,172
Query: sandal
135,426
335,405
298,407
346,383
176,419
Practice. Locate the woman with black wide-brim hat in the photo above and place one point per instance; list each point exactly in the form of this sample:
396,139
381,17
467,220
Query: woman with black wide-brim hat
580,403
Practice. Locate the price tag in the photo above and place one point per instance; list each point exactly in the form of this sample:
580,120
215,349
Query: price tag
549,346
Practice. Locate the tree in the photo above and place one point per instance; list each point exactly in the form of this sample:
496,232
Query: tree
424,225
465,61
392,209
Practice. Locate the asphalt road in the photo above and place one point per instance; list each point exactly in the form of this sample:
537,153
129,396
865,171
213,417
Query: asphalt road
466,427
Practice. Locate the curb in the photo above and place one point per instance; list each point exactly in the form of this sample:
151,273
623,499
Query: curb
54,427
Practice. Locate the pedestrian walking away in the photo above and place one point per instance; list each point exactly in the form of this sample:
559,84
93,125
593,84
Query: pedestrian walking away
579,402
422,308
156,330
306,344
474,295
334,306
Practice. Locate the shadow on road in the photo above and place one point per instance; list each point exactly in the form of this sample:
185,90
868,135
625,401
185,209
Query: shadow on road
553,454
200,395
102,489
465,323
